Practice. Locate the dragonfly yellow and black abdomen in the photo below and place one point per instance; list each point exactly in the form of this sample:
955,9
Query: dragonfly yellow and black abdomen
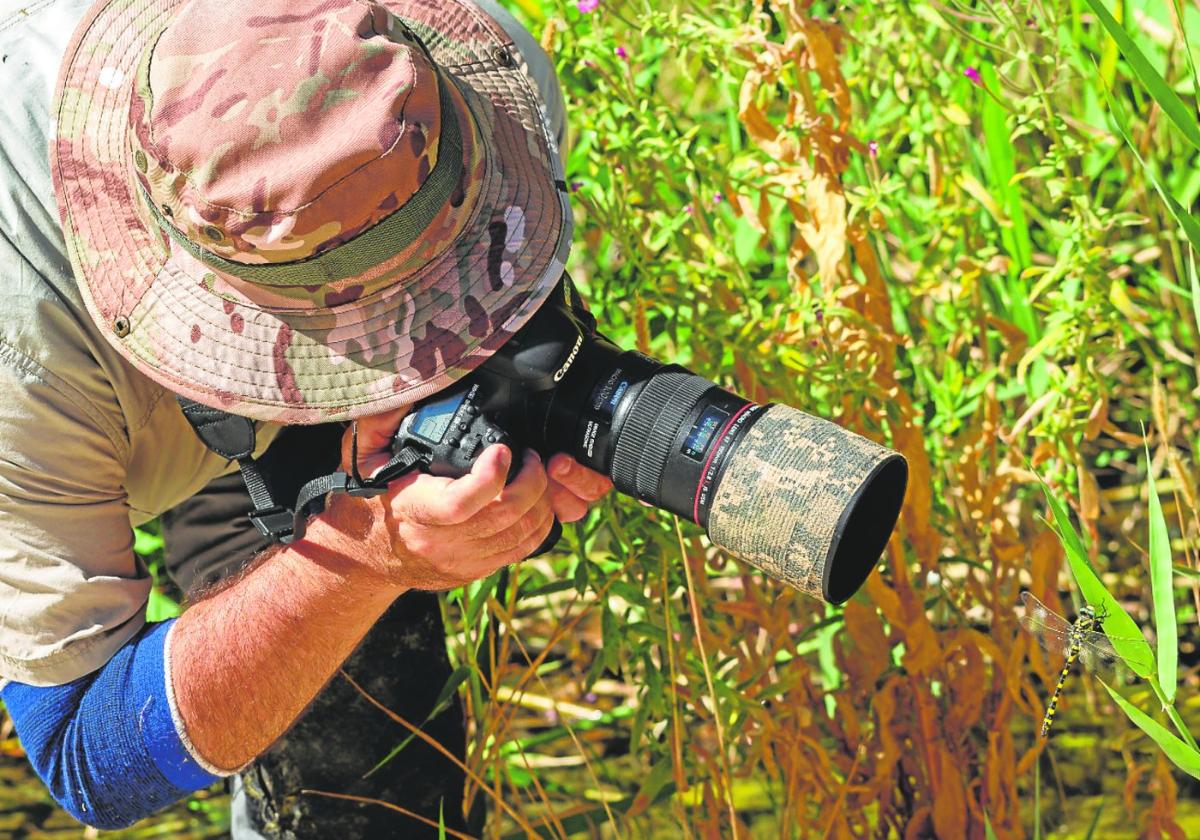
1048,719
1081,640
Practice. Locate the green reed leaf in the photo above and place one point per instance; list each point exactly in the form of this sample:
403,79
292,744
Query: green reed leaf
1123,631
1167,99
1161,579
1194,280
1095,822
1191,228
1184,757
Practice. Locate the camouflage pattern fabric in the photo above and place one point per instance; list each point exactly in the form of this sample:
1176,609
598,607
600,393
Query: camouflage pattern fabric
215,164
784,492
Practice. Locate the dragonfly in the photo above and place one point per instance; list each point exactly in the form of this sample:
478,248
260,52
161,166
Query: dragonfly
1081,640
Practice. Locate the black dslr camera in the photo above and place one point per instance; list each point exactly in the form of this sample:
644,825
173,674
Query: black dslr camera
803,499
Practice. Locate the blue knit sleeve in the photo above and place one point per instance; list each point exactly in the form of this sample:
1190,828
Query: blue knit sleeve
107,745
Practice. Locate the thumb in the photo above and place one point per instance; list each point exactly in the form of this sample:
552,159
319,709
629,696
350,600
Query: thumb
375,433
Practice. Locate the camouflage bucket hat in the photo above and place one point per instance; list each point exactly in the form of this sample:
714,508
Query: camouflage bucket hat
305,210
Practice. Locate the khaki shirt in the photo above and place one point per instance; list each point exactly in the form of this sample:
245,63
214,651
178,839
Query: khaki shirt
88,445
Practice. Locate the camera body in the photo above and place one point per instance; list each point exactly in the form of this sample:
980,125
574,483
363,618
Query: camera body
498,402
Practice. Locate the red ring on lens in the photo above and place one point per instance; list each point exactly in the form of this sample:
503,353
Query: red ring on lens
716,447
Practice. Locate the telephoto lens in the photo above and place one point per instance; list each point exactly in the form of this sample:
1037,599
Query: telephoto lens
801,498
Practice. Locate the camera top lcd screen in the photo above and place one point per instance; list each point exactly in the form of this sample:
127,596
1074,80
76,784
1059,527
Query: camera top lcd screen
702,432
433,419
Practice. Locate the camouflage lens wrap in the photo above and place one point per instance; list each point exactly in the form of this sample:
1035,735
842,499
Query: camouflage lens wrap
808,502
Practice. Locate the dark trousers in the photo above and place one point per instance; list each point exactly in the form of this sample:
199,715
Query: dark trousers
340,737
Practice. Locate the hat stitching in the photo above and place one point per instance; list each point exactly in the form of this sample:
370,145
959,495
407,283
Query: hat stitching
368,374
448,264
187,175
25,12
487,179
81,116
314,313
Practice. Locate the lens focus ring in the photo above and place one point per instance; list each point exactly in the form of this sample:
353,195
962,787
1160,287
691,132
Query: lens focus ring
650,428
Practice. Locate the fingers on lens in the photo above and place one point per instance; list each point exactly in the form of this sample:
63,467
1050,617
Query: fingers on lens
568,506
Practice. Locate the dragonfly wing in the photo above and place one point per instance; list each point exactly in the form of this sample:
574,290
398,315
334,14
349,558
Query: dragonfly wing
1052,631
1052,639
1100,657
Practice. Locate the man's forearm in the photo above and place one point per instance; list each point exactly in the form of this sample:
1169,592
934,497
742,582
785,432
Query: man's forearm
246,661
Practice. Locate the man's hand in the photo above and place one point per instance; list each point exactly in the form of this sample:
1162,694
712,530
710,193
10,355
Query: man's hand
278,632
431,532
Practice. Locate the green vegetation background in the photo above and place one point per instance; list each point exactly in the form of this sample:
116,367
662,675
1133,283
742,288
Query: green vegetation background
921,221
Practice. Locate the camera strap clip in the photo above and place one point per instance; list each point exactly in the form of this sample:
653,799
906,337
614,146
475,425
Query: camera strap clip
232,436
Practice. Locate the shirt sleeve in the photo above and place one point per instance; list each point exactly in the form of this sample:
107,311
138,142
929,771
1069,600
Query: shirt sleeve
72,591
110,746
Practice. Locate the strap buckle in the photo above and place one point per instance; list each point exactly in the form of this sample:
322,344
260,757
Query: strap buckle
276,524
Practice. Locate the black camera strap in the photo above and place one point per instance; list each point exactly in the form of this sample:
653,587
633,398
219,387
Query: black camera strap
232,436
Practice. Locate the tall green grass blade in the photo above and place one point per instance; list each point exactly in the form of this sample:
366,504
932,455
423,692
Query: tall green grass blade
1194,280
1165,627
1123,631
1002,168
443,702
1191,228
1109,52
1187,47
1184,757
1037,799
988,832
1166,98
1186,571
1095,822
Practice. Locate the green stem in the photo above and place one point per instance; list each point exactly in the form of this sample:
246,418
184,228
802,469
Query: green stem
1169,708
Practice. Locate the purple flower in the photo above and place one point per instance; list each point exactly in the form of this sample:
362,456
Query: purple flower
820,315
621,54
973,74
689,209
587,6
873,149
591,697
718,198
576,186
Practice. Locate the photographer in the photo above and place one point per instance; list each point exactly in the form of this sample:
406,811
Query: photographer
304,213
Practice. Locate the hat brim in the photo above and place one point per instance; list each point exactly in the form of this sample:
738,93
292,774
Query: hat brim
162,310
